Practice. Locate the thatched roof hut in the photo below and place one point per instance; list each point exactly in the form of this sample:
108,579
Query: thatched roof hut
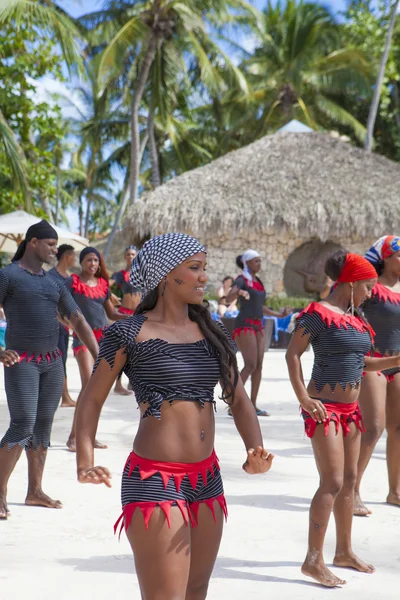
276,194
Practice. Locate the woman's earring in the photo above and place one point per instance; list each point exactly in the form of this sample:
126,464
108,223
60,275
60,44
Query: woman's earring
164,286
352,300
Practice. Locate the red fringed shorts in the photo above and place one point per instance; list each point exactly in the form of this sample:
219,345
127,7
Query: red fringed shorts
147,484
251,326
78,346
125,311
340,413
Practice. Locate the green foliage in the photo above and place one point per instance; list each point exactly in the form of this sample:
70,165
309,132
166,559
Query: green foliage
278,303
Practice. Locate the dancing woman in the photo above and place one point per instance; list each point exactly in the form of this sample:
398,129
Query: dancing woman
34,373
91,292
65,261
341,339
249,329
174,355
380,393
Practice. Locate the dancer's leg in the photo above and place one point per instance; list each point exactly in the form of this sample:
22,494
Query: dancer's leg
205,541
257,373
22,391
162,554
393,440
344,506
247,344
373,408
50,387
329,457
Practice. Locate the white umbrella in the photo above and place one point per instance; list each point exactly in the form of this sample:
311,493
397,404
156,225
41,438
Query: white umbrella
13,227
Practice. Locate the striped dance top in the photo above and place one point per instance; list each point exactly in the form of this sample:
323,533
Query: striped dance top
31,302
253,307
90,299
340,343
122,282
383,313
159,370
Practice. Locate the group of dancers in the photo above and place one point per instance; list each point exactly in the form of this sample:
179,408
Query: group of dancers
174,355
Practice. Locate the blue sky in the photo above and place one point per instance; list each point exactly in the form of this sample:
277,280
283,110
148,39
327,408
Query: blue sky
79,7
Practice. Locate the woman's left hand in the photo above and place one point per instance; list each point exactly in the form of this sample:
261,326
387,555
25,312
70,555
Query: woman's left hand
258,461
288,310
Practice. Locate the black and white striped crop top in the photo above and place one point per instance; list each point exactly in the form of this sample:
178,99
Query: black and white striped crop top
160,371
340,343
383,313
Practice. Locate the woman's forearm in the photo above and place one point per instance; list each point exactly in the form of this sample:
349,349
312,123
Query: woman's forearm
271,313
87,422
296,376
247,423
380,364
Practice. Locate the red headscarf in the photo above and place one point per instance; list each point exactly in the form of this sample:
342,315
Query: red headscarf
356,268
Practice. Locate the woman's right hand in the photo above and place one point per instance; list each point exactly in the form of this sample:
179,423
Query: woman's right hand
244,294
9,357
95,475
315,409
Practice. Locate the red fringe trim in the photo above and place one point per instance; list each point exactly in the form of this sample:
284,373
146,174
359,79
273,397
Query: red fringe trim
189,512
125,311
256,284
329,316
385,294
98,334
256,327
338,413
38,358
96,292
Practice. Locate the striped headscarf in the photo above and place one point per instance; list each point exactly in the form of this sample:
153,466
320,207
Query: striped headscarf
159,256
383,248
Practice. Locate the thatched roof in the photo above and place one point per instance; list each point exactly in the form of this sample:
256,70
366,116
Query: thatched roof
308,183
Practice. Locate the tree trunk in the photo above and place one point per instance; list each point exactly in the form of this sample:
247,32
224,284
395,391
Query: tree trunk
373,111
47,208
124,202
155,166
396,96
58,196
136,101
80,213
87,215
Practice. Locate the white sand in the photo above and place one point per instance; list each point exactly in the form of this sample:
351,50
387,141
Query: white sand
71,554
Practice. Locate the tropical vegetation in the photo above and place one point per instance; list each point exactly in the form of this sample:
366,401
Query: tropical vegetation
148,89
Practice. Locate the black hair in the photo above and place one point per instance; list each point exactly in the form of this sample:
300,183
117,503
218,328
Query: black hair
63,249
335,263
20,252
226,278
379,267
200,314
239,262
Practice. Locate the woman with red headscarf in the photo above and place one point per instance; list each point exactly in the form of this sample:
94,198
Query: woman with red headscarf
341,339
380,392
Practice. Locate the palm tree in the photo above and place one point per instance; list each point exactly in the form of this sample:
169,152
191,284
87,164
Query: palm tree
379,80
138,34
298,69
15,158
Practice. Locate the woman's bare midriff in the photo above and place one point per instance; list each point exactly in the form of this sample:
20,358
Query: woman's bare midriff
185,432
348,395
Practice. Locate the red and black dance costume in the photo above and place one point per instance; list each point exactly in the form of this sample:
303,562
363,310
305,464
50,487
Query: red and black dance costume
250,317
34,386
383,313
91,301
160,371
122,282
340,343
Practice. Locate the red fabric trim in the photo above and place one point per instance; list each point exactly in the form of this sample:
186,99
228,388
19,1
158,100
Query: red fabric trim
189,511
126,275
385,294
356,268
39,357
99,291
98,334
387,249
125,311
256,284
329,316
338,412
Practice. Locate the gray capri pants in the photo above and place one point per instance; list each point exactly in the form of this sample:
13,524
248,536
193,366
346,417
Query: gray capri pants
33,389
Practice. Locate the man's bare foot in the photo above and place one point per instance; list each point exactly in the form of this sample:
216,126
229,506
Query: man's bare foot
39,498
121,391
67,402
360,510
351,561
322,575
72,446
4,512
393,499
